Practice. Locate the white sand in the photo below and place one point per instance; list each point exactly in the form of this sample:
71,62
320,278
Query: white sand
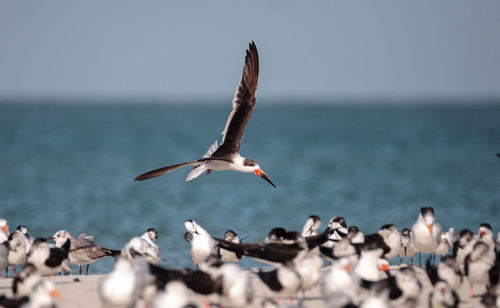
81,291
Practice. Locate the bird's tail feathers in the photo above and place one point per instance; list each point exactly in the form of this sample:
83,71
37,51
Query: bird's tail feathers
196,172
114,253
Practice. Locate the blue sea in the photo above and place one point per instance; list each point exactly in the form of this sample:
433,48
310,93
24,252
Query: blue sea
72,167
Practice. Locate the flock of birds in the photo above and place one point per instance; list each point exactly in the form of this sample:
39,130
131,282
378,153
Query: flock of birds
351,269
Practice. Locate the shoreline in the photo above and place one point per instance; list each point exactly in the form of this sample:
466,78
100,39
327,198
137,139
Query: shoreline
81,291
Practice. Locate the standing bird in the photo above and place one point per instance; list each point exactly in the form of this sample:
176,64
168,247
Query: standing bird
426,232
4,252
49,260
407,248
311,226
29,240
18,251
202,243
477,265
227,155
25,282
226,255
392,238
82,250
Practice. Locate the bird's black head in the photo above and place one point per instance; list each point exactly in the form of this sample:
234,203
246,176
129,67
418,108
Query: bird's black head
388,226
485,225
339,220
405,232
230,235
153,233
277,233
427,211
315,218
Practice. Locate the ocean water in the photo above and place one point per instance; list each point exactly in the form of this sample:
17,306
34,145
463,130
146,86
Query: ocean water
72,167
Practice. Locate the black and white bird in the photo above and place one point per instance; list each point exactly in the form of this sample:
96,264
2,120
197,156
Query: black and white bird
443,296
226,255
150,236
123,286
426,232
227,155
339,230
485,234
407,248
49,260
202,244
477,265
448,271
355,235
447,240
18,250
463,245
392,238
339,286
25,282
82,251
29,240
311,226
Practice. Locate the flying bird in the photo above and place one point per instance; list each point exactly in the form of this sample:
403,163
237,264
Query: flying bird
226,156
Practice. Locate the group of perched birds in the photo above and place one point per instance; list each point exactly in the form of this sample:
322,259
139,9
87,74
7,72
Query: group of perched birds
351,269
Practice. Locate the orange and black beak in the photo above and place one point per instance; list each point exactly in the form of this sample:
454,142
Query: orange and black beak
6,229
261,173
384,267
430,229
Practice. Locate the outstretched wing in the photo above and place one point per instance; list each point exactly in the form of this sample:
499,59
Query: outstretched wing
243,104
168,169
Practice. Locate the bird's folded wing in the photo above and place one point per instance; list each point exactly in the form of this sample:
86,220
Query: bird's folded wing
273,252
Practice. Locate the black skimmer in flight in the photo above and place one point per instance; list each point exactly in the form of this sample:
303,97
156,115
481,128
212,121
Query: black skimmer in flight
227,155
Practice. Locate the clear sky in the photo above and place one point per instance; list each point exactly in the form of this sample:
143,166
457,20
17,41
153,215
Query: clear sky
166,50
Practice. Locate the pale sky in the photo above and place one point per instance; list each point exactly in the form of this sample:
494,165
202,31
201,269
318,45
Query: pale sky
164,50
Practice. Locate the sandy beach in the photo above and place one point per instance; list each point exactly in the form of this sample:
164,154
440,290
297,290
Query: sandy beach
81,291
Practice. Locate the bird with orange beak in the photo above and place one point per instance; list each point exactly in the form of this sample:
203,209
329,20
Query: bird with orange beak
4,225
426,231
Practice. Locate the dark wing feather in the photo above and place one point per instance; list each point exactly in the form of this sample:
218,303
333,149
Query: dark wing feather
432,273
57,255
274,252
270,278
198,281
168,169
243,105
316,240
